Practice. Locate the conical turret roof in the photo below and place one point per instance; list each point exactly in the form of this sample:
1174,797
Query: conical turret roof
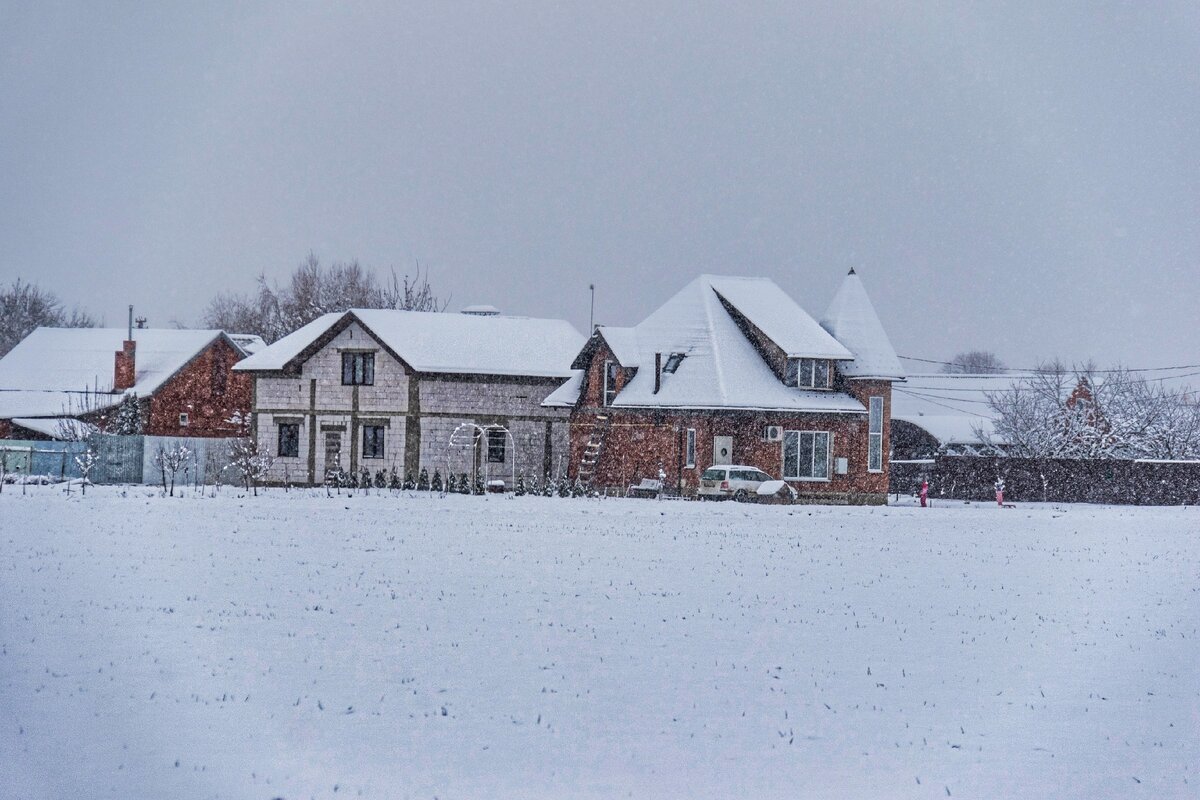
851,319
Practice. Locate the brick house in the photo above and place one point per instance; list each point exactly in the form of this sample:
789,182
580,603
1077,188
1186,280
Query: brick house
405,391
733,371
183,381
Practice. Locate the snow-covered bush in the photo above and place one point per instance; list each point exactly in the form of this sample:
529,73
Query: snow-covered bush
86,461
251,460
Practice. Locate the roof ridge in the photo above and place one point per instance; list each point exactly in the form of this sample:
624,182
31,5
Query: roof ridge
709,299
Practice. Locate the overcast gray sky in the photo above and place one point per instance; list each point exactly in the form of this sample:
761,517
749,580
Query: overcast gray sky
1022,179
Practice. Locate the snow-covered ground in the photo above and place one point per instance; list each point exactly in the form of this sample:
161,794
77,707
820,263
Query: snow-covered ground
302,646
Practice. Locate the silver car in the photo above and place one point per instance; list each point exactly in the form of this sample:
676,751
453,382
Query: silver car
723,481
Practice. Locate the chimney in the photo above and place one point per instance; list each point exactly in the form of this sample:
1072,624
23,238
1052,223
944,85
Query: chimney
657,372
123,374
124,369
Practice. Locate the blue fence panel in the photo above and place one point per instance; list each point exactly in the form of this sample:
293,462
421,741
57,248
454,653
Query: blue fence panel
54,459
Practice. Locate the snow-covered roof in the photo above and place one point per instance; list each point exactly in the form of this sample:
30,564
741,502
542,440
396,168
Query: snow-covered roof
439,342
248,343
852,320
623,343
566,395
56,427
721,368
778,316
56,371
951,407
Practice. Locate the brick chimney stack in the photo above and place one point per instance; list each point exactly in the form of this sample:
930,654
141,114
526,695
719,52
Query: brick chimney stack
123,374
124,370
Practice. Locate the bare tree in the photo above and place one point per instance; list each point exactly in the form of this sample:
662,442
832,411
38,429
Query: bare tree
411,294
170,460
86,461
69,429
252,461
974,362
26,306
274,311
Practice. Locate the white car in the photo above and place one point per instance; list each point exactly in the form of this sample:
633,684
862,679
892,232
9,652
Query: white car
738,481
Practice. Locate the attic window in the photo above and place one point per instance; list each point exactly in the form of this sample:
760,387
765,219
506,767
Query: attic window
673,362
808,373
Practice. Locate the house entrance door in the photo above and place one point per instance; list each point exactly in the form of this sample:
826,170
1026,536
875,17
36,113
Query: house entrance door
722,450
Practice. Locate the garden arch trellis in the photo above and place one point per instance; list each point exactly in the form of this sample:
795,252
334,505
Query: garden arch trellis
470,435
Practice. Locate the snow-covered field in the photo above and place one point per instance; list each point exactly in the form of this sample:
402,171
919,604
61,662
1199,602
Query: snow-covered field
302,646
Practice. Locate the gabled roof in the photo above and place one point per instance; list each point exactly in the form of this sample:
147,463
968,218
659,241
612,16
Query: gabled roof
623,343
49,371
852,320
721,368
778,316
441,342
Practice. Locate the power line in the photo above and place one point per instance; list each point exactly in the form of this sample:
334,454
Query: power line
1013,385
909,390
939,397
1044,369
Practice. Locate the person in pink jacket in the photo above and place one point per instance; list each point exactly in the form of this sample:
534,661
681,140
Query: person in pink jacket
924,493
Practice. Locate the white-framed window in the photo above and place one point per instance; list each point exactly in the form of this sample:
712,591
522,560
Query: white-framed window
690,455
183,420
610,382
875,435
809,373
806,455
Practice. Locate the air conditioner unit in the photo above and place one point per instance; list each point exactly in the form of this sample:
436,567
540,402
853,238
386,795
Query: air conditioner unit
772,433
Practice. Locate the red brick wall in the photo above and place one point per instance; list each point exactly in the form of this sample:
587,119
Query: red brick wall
638,443
196,391
5,429
593,387
862,390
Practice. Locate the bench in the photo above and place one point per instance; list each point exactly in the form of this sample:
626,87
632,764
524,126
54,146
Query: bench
647,487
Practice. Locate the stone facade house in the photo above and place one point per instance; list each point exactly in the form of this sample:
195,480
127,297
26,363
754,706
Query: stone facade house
733,371
387,390
183,382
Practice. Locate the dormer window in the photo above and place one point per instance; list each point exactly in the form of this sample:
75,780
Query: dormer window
610,382
809,373
673,362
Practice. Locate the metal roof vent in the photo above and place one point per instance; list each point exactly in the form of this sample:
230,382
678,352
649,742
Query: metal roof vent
481,311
